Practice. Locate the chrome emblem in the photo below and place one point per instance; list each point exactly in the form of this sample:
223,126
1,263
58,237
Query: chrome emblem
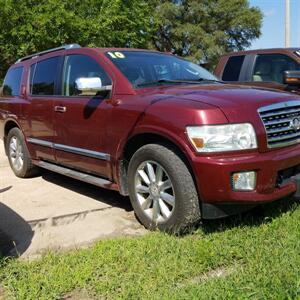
295,124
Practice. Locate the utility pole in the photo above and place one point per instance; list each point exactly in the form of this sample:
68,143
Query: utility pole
287,23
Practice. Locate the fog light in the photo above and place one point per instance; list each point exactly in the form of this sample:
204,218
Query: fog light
244,181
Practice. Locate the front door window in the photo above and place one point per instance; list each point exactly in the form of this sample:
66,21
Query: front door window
270,67
78,66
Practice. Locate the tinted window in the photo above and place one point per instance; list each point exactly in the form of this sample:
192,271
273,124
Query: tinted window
233,68
142,68
78,66
12,82
44,77
270,67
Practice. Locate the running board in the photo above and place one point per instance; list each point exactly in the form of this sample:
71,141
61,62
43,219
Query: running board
104,183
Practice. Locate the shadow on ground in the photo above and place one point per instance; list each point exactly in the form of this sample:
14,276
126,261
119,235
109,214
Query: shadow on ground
20,232
109,197
254,217
5,189
261,214
16,234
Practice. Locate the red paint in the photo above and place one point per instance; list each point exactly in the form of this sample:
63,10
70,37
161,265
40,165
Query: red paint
165,111
252,54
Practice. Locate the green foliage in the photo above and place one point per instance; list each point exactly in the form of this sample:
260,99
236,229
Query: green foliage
29,26
196,29
206,29
257,257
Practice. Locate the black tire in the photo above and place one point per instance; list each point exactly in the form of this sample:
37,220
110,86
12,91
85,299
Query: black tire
27,169
186,211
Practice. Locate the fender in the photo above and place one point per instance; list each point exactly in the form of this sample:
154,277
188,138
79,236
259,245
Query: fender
120,165
156,118
8,118
181,140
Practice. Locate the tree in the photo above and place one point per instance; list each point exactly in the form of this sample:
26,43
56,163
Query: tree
196,29
205,29
29,26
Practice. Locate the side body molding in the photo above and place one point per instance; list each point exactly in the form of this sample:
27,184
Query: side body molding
75,150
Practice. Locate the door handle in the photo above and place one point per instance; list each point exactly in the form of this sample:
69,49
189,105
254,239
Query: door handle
113,102
61,109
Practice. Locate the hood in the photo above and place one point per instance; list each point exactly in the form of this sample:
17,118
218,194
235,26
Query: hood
238,103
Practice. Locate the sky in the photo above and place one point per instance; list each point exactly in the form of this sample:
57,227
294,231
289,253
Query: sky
273,33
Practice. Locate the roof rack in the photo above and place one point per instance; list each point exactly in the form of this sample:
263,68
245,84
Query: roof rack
64,47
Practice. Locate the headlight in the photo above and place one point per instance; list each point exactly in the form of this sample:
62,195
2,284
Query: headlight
219,138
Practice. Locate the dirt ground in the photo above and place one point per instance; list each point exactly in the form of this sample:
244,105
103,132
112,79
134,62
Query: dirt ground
56,212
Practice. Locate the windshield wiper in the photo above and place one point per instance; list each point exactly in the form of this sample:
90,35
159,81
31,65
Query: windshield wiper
186,81
162,81
209,80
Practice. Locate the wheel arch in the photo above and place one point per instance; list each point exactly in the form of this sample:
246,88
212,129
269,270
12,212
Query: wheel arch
9,125
142,139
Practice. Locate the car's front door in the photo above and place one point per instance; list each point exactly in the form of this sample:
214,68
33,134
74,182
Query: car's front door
80,120
270,67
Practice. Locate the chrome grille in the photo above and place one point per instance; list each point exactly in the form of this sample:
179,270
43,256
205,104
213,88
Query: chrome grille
282,123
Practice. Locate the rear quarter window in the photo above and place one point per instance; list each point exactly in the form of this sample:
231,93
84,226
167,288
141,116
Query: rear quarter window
233,68
12,82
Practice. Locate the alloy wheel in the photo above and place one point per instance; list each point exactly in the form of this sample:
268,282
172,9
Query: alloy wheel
16,153
154,191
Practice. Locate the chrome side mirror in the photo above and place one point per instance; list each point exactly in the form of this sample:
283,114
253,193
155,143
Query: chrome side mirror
89,86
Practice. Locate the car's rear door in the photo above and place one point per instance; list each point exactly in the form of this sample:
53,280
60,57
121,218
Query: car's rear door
80,121
43,86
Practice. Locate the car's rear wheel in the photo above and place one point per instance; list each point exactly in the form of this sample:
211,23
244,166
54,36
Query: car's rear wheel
18,155
162,190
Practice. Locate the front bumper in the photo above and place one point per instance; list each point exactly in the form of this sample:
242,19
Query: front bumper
213,176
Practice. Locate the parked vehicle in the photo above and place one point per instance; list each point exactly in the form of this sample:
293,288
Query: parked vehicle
270,68
152,126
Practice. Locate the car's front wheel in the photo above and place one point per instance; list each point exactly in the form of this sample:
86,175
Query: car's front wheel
18,155
162,190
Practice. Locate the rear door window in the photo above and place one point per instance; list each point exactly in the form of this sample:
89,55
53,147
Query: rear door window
44,76
12,82
233,68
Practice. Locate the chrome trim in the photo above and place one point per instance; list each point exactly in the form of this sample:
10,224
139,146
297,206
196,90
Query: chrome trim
75,150
280,129
276,113
40,142
284,144
280,138
285,120
279,105
61,109
64,47
81,151
278,109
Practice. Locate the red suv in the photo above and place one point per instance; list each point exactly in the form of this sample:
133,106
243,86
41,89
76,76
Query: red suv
152,126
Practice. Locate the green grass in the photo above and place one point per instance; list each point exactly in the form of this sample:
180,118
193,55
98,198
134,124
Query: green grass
258,253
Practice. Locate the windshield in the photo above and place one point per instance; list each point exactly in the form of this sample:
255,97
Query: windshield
143,68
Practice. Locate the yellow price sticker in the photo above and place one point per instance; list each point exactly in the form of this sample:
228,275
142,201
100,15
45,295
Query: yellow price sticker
119,55
116,54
